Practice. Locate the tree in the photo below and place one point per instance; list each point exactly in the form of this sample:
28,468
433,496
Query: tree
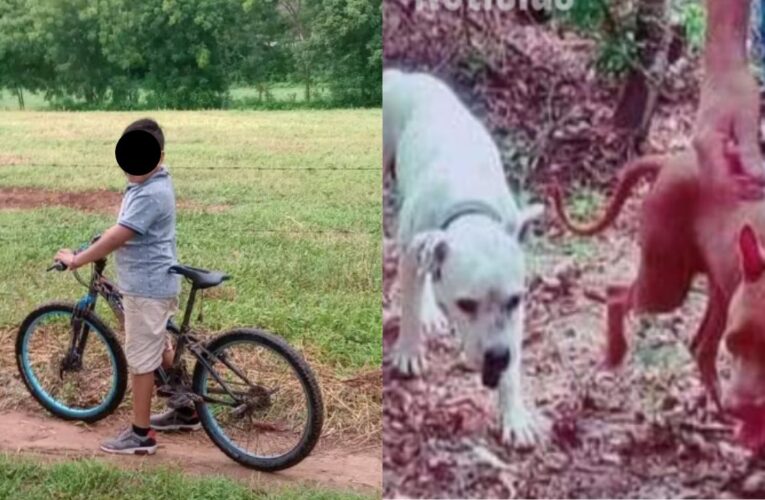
637,43
187,53
174,47
22,55
71,33
300,17
641,91
257,48
349,35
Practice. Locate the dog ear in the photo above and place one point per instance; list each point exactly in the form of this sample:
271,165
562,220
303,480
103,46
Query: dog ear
529,214
431,250
752,262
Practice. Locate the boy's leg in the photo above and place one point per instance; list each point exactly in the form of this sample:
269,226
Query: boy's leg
167,362
145,341
167,357
143,389
185,418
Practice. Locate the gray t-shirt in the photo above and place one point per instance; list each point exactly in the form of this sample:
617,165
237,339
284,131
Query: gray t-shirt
148,209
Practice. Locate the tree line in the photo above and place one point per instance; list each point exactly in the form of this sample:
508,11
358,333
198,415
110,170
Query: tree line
188,54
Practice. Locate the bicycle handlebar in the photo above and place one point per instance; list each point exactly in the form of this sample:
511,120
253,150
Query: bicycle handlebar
57,266
60,266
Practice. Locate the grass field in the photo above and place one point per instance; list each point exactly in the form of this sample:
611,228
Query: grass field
89,479
288,203
280,92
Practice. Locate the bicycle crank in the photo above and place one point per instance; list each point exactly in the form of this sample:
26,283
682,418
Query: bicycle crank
257,399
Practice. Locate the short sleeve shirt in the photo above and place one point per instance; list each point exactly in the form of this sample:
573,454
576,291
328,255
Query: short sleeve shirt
143,262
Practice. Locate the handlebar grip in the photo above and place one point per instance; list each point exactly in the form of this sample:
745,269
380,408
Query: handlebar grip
58,266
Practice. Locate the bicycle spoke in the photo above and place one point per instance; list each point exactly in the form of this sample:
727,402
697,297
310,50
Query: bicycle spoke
80,385
272,414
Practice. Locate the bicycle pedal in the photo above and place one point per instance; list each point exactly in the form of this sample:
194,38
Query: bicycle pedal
183,399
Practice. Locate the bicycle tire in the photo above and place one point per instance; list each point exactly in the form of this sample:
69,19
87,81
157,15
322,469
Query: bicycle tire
312,430
116,394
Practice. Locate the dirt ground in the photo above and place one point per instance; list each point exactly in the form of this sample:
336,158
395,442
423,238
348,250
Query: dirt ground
644,431
41,435
99,200
95,200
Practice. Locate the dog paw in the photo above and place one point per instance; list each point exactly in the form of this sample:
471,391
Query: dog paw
435,323
409,362
524,429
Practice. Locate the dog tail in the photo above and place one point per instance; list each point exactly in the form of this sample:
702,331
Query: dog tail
647,166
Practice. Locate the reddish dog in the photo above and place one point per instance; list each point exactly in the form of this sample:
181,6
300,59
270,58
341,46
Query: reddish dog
688,227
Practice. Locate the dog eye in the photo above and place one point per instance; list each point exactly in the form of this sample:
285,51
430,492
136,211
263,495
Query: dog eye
468,306
512,303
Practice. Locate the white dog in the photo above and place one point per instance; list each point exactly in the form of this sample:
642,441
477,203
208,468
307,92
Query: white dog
459,234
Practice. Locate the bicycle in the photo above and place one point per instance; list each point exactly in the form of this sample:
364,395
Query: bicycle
77,370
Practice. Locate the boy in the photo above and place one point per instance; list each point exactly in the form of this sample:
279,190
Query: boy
144,240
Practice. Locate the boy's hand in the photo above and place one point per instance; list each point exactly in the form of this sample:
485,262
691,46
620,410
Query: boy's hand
66,256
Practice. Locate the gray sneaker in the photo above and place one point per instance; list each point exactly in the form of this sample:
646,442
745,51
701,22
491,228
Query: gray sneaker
130,443
173,420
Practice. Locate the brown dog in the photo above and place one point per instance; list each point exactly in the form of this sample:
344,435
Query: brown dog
688,227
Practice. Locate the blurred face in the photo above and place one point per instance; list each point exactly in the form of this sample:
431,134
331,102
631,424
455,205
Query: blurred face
744,396
480,286
137,179
138,153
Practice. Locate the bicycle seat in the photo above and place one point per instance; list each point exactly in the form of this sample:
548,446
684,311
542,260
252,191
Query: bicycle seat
201,278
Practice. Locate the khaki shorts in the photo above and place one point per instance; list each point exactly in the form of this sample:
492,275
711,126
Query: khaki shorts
146,331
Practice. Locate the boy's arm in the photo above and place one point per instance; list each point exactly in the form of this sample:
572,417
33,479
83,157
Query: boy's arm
110,240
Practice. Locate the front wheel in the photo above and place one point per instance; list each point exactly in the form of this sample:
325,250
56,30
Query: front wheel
263,405
72,364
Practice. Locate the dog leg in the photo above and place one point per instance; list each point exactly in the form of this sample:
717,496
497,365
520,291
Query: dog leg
521,427
433,319
408,352
706,343
618,300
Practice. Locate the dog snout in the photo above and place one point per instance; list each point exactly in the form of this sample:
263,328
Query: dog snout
495,362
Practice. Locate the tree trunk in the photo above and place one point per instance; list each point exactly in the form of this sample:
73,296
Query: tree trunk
307,86
641,91
20,96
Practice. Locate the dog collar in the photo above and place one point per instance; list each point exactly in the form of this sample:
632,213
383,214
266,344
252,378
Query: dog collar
471,207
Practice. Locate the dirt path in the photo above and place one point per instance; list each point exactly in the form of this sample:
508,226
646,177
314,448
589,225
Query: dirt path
330,467
94,200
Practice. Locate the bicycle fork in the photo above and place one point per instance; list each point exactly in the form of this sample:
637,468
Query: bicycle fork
79,339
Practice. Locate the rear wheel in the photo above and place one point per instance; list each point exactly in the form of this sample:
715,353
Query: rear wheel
87,387
270,417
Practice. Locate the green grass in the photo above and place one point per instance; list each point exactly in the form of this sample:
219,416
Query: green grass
32,101
303,246
23,478
279,91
